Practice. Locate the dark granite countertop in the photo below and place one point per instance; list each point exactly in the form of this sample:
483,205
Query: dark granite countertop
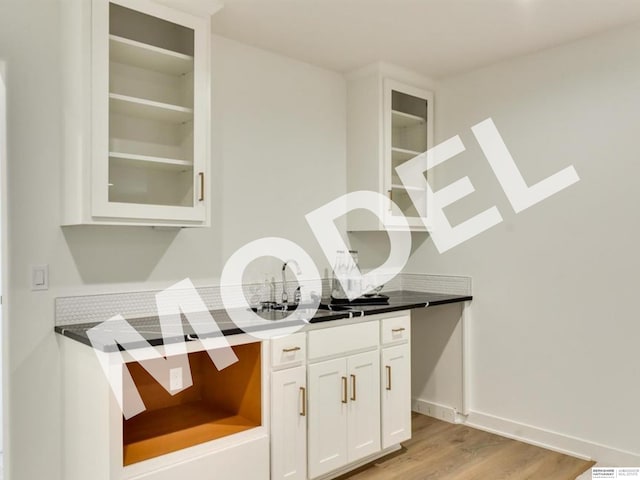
149,327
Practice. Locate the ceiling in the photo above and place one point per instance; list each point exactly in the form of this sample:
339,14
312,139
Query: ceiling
434,37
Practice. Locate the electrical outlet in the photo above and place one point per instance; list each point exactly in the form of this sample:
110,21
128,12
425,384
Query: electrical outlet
175,379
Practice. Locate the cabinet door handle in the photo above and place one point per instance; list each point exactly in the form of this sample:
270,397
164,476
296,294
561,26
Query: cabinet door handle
289,350
344,390
303,394
353,388
201,196
391,200
388,377
396,330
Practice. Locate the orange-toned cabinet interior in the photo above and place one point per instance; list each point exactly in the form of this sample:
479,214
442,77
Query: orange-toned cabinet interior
219,403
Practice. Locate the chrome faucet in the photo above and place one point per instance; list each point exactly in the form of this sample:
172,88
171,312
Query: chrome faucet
285,296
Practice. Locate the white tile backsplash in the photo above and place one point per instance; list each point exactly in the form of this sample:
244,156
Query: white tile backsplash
98,308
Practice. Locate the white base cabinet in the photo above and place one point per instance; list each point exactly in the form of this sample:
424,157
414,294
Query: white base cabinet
92,443
331,399
340,396
344,404
327,416
363,434
396,395
289,424
396,379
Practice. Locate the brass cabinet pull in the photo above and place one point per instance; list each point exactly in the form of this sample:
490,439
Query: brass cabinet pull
289,350
388,377
396,330
344,389
353,388
303,393
201,197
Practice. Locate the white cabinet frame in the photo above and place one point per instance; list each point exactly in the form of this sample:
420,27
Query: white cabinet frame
85,44
369,138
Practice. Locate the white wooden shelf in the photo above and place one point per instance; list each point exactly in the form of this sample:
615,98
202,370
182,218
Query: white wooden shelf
131,52
397,186
150,161
402,120
140,107
402,154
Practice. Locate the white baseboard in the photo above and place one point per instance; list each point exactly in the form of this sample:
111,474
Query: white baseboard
558,442
435,410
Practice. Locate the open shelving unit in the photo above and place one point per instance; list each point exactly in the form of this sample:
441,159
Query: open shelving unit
218,404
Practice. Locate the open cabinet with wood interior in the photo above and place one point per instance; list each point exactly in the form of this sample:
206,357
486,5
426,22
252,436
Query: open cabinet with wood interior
218,404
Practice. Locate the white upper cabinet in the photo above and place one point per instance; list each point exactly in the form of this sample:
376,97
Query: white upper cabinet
390,121
408,132
137,114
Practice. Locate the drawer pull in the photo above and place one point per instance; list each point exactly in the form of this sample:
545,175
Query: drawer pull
344,390
388,377
396,330
292,349
303,393
353,388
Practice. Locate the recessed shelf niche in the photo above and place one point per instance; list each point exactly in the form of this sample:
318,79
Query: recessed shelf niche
218,404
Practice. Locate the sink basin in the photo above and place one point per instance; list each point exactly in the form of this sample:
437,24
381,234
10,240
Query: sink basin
280,307
283,308
284,311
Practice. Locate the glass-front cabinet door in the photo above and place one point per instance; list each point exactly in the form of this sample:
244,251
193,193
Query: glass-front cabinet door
408,132
150,74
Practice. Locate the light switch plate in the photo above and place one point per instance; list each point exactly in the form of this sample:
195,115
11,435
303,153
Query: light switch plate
40,277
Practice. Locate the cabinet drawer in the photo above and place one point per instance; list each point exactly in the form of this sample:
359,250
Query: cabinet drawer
396,329
288,350
337,340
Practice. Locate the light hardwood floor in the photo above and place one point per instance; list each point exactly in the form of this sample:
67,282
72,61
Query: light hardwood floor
443,451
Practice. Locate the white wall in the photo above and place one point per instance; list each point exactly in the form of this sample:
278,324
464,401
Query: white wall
3,256
278,152
555,329
436,356
280,133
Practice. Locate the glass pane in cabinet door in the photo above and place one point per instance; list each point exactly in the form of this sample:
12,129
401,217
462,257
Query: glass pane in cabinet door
405,205
161,184
408,124
151,101
149,30
150,162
